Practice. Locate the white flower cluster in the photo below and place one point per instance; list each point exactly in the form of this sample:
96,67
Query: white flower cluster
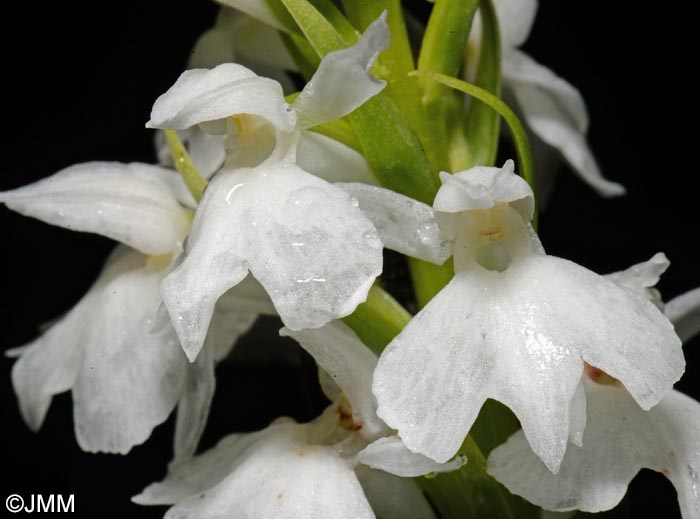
292,223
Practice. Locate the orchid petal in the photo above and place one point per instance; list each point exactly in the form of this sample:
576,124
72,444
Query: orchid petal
261,44
555,112
642,277
391,455
235,313
515,19
343,80
577,416
240,38
404,224
339,352
332,161
314,253
214,47
201,95
257,9
278,475
482,187
193,407
130,379
49,365
203,471
130,203
520,337
393,497
620,439
684,313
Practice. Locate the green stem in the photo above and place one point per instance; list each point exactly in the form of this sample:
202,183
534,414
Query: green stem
183,163
378,320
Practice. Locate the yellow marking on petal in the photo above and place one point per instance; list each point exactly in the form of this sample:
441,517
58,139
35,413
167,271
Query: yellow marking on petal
246,129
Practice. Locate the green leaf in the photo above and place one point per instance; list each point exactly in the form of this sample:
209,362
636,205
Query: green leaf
394,64
341,131
442,51
483,122
183,163
393,150
320,33
389,143
303,54
378,320
493,426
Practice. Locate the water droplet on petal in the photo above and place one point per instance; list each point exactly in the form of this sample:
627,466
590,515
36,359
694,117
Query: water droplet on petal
372,240
354,202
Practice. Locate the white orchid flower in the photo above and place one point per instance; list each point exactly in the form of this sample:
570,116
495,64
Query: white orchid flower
305,240
553,109
620,438
125,377
345,464
515,325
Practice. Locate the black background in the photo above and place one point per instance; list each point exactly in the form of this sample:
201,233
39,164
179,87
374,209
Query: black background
79,80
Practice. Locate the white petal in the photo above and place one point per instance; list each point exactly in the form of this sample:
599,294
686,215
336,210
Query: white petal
393,497
521,69
48,366
331,160
240,38
343,80
481,188
642,277
555,111
315,254
261,44
279,475
235,313
520,337
130,203
203,471
391,455
258,9
515,19
193,407
577,416
404,224
684,313
202,95
429,382
620,439
130,378
214,47
339,352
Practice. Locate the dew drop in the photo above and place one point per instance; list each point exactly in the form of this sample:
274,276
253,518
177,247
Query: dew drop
372,240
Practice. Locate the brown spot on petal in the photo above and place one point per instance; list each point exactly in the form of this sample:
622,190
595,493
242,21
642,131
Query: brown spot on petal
666,473
599,376
280,496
